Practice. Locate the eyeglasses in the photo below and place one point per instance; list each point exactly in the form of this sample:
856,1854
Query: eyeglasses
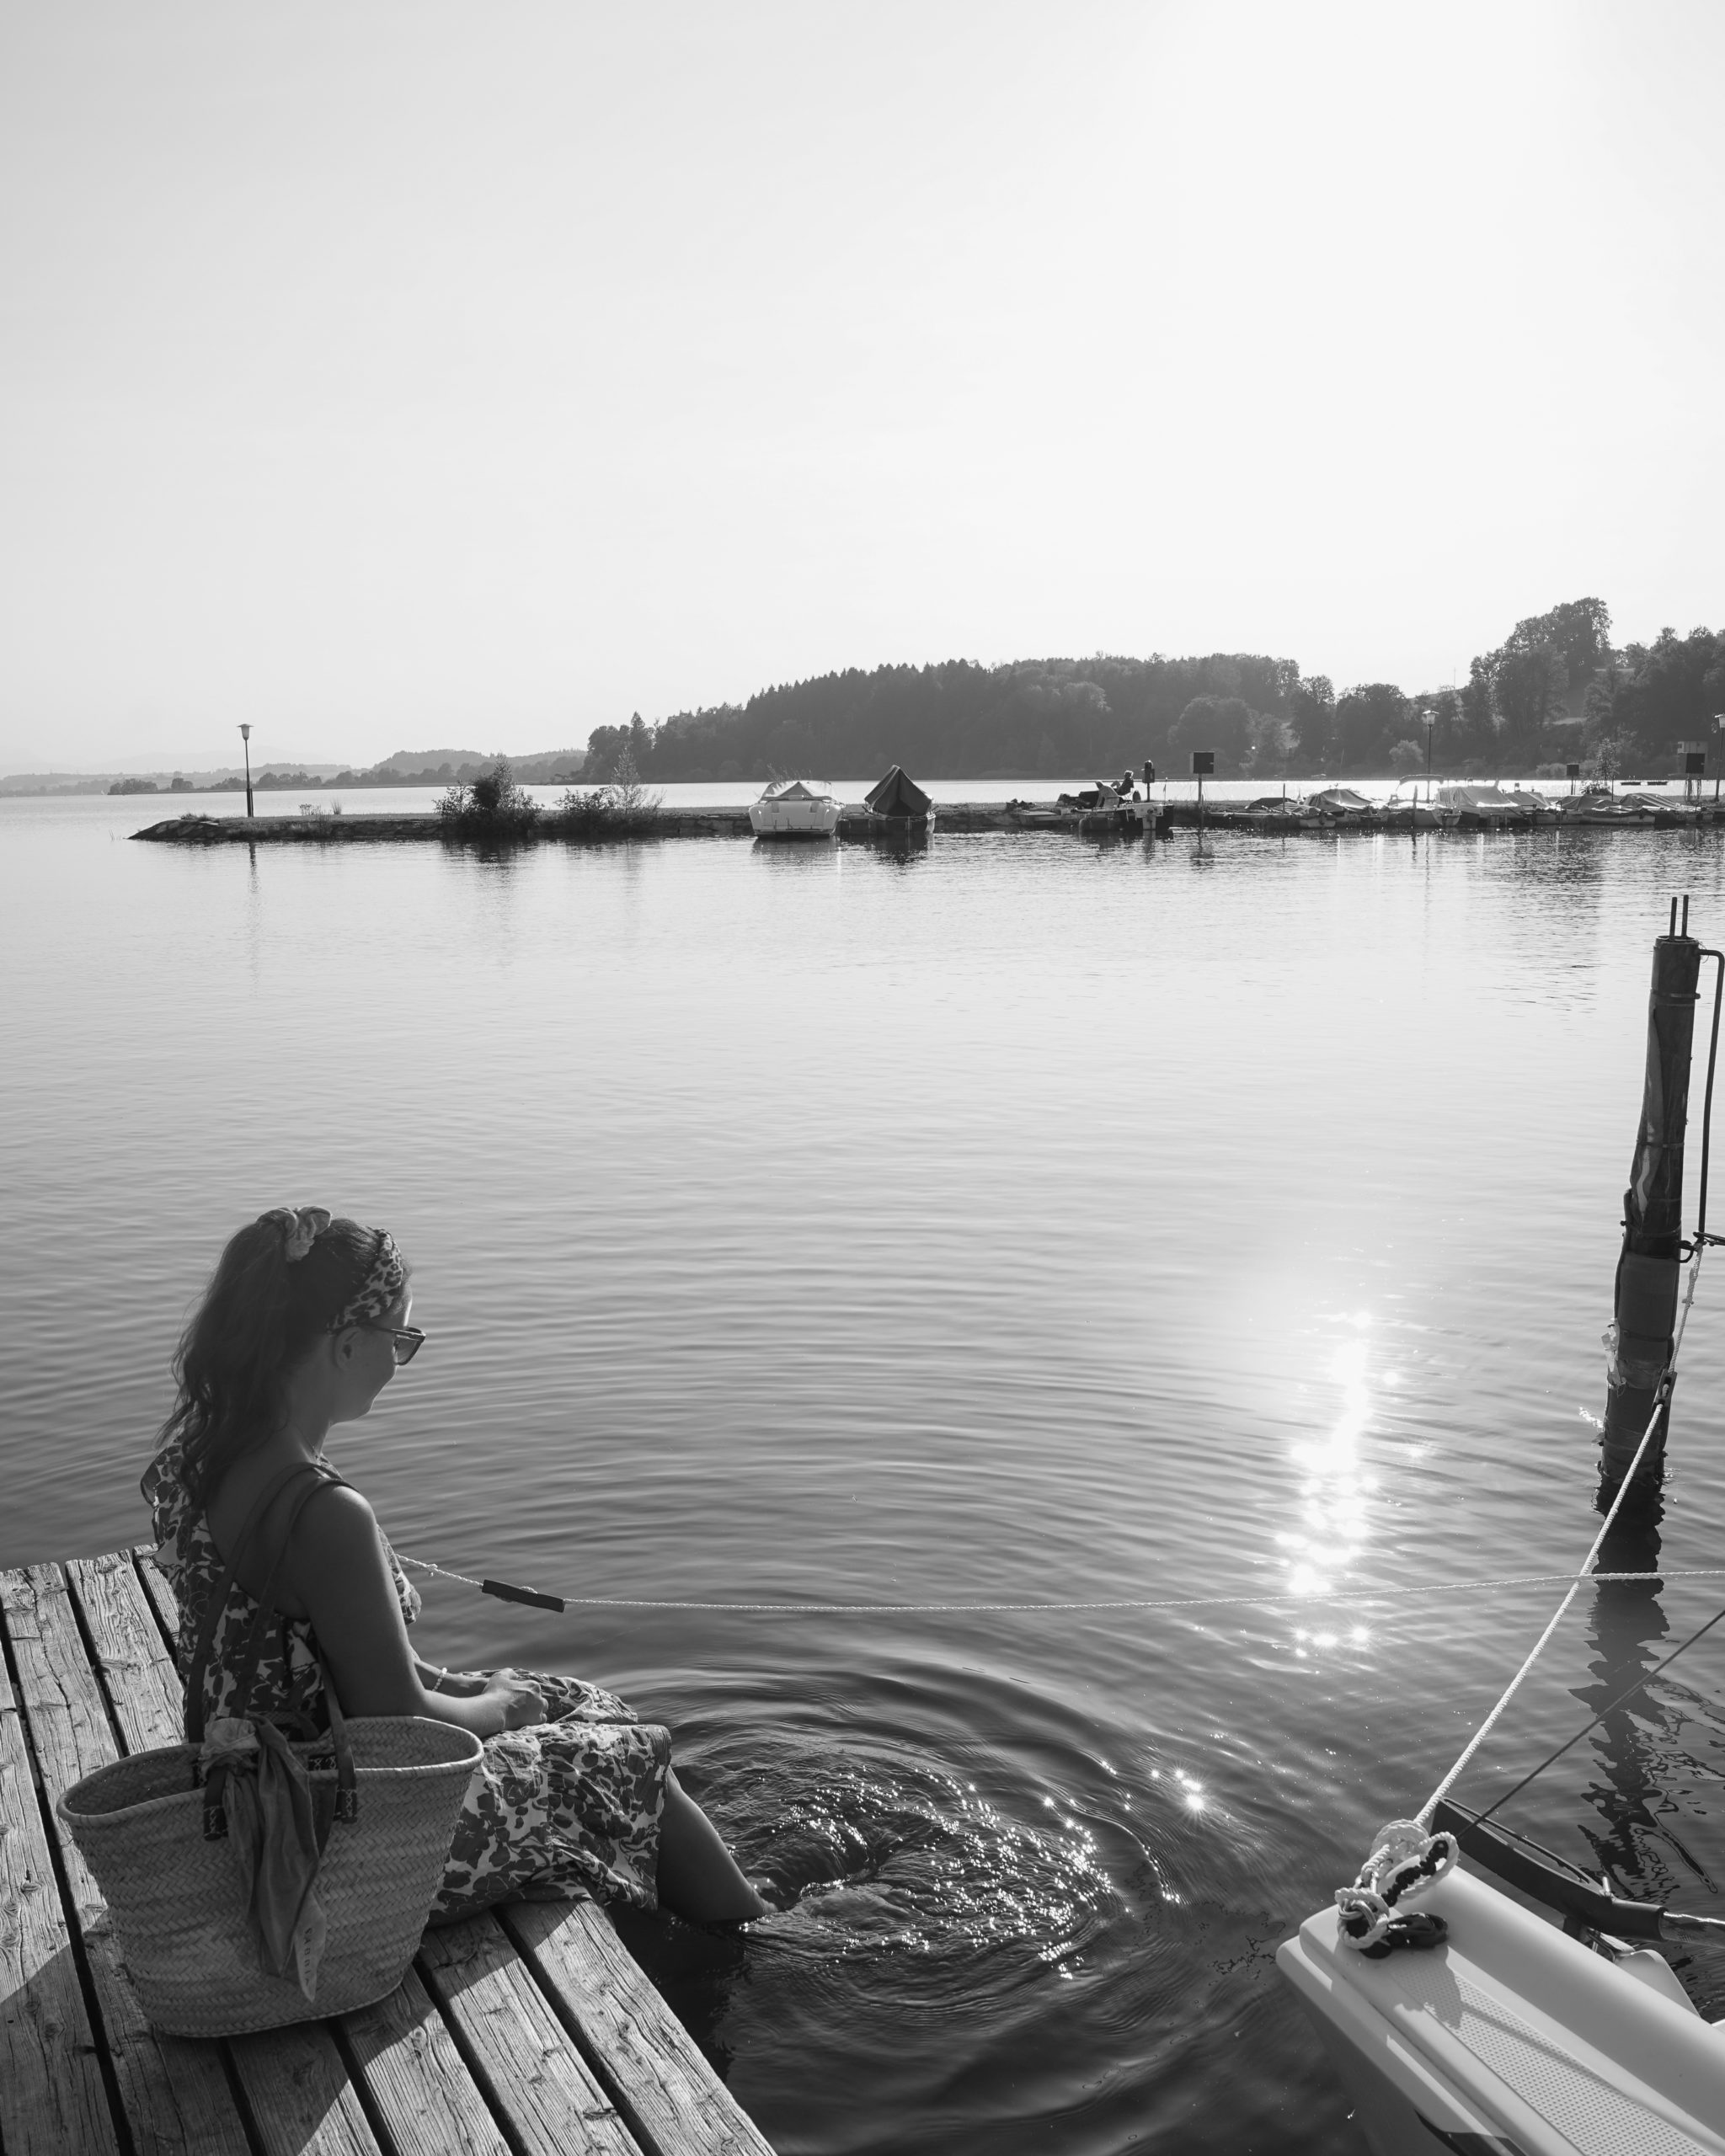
408,1338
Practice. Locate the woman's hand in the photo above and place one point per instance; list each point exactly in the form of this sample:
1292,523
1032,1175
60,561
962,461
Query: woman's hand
516,1698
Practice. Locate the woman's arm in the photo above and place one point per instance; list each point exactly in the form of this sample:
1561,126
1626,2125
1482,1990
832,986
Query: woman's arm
336,1568
454,1684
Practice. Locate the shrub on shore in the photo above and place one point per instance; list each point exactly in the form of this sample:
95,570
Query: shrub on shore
490,806
621,805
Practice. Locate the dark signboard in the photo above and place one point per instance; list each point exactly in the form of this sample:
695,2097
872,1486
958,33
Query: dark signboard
1204,763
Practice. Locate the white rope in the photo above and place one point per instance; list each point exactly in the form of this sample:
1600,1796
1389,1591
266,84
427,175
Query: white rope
1661,1398
1305,1598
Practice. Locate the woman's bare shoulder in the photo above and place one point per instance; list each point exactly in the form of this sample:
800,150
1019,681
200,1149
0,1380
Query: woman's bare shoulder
336,1547
336,1528
338,1523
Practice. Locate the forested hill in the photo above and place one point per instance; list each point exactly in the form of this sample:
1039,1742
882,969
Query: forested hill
1554,691
1033,718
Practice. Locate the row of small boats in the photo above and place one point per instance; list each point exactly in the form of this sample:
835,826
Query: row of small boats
1458,806
808,809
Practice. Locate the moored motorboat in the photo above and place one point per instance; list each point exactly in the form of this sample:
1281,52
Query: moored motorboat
795,809
1478,807
1407,811
1602,804
1268,812
1508,2035
1668,813
898,807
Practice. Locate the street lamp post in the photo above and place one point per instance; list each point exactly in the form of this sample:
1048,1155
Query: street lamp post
1203,764
1431,720
245,735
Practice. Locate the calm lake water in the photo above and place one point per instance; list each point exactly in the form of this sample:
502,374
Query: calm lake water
1018,1220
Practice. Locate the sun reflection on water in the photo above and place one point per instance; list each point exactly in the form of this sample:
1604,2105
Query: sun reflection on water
1333,1492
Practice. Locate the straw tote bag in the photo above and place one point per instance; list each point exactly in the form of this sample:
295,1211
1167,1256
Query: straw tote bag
384,1793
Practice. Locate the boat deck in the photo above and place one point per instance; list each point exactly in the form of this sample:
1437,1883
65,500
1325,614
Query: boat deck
528,2031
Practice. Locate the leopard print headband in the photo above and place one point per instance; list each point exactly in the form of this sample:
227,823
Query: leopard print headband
380,1289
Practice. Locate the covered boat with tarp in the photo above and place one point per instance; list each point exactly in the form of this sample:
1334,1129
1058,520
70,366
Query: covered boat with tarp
1598,804
899,799
1488,808
1660,808
1266,811
1338,804
795,809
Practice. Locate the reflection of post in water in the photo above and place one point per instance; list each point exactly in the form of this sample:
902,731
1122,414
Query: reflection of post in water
1635,1747
254,915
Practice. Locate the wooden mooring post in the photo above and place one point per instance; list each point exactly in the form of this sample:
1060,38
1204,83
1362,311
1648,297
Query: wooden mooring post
1644,1302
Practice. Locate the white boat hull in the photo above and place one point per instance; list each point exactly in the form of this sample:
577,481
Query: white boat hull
1512,2033
794,819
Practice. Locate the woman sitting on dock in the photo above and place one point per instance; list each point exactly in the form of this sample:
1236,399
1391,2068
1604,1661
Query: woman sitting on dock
303,1324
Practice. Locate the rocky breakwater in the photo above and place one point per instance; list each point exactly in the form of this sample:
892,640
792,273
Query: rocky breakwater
406,828
855,822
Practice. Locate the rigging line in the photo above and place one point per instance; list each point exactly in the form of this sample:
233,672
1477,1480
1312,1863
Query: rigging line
1660,1398
1628,1693
1306,1599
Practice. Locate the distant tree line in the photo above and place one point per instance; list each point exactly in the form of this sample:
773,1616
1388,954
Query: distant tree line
458,768
1554,693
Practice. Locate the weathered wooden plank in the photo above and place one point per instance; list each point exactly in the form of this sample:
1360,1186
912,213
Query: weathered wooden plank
417,2079
137,1663
175,2094
161,1595
51,2093
301,2101
532,2071
673,2099
295,2081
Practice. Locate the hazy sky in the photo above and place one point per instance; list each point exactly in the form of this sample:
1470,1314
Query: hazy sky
420,375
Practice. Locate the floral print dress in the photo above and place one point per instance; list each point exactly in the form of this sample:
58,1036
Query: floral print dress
568,1807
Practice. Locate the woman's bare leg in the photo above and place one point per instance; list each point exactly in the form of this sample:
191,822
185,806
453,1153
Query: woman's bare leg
698,1876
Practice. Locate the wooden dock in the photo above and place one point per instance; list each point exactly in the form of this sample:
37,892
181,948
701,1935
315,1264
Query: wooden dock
528,2031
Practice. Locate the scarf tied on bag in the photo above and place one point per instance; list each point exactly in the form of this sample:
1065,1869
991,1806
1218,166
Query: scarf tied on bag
277,1821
